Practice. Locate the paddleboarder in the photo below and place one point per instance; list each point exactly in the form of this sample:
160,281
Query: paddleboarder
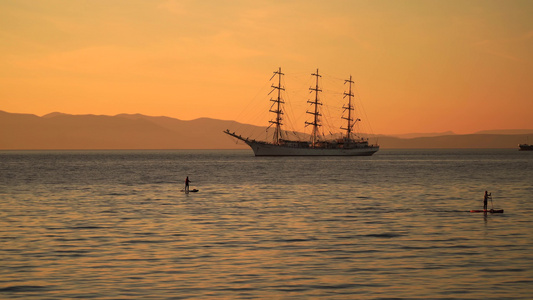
187,181
485,199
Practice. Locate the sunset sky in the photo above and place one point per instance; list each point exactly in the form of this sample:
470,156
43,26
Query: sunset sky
419,66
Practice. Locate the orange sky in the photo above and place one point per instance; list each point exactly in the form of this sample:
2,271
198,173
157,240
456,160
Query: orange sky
419,66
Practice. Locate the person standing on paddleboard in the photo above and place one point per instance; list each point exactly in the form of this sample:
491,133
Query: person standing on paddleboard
187,181
485,198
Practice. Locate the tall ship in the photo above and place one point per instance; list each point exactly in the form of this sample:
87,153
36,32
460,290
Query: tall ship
526,146
350,144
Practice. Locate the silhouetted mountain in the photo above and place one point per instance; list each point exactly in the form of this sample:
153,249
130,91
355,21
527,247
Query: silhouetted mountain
455,141
53,114
136,131
507,131
63,131
420,134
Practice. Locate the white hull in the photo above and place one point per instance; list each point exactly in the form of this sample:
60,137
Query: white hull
264,149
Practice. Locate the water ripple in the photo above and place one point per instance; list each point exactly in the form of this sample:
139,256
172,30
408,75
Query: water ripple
114,225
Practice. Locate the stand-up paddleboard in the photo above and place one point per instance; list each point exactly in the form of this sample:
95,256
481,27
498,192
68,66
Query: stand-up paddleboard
492,211
190,191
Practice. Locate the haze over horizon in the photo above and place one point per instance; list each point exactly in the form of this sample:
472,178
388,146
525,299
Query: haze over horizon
419,66
58,131
407,135
404,135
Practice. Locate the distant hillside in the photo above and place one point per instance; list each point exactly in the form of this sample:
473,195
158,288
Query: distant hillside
455,141
63,131
417,135
126,131
507,131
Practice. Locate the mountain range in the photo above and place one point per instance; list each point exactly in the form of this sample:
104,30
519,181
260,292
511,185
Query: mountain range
136,131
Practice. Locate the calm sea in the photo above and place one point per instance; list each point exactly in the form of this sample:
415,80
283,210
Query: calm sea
115,225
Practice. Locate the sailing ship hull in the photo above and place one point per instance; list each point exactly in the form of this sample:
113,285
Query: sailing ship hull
525,147
265,149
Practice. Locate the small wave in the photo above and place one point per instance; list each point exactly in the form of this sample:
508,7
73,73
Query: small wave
448,211
87,227
385,235
23,288
295,240
71,253
119,194
415,247
55,228
180,234
369,208
503,270
145,242
300,288
459,246
438,246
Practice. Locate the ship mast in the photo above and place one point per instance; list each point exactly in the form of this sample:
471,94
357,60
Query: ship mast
349,108
278,111
316,113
